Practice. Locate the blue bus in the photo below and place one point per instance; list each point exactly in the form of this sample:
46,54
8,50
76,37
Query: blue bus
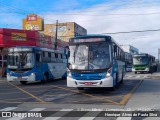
28,64
95,61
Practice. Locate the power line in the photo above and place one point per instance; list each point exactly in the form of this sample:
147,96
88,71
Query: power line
138,31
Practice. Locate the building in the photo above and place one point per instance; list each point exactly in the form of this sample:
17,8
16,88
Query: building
129,52
16,37
130,49
64,30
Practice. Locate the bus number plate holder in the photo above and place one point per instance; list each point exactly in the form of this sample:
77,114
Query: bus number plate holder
88,83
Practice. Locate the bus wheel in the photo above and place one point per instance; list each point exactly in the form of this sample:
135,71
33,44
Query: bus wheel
23,82
114,87
135,72
80,88
46,77
121,79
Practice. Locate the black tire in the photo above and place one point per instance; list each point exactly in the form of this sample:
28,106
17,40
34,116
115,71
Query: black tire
23,82
114,87
46,78
135,72
80,88
121,79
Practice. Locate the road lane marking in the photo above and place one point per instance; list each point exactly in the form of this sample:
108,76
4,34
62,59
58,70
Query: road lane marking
58,114
127,96
37,109
124,118
85,117
8,109
33,96
113,102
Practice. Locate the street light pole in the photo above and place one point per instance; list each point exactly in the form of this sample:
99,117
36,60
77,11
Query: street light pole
56,35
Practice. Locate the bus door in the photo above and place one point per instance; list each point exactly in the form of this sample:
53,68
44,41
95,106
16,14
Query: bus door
39,66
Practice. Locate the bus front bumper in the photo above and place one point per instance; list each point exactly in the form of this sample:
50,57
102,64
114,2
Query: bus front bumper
106,82
145,70
21,78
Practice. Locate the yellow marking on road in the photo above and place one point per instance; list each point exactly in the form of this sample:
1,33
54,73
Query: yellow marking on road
63,95
113,102
33,96
127,96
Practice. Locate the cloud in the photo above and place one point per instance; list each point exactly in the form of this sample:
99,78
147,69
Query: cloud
107,17
111,17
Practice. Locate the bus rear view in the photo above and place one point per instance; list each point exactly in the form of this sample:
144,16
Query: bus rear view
91,63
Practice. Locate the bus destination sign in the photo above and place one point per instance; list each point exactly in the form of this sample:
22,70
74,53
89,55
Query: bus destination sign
87,40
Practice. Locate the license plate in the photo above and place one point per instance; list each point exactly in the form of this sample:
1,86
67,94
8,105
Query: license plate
19,78
88,83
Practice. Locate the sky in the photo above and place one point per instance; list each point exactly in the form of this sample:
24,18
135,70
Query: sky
97,16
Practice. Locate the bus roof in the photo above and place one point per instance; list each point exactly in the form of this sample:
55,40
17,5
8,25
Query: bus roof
96,36
142,54
38,48
91,35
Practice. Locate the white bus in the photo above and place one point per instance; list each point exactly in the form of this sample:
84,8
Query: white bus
95,61
26,64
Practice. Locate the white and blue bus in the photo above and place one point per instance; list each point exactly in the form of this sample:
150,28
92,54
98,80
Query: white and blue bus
95,61
28,64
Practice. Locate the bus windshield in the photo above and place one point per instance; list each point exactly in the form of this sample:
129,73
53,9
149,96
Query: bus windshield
20,60
89,57
140,60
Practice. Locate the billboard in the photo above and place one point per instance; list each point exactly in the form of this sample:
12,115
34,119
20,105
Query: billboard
64,30
15,37
33,22
18,36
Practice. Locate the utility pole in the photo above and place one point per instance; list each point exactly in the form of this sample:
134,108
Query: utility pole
56,35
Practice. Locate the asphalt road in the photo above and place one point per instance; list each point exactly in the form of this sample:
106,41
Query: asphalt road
55,96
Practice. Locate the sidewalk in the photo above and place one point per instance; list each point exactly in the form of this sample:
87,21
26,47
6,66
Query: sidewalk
146,96
155,75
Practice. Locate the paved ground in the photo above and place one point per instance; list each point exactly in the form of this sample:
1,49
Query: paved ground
142,92
57,92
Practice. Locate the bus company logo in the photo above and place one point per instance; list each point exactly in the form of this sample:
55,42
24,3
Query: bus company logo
19,36
6,114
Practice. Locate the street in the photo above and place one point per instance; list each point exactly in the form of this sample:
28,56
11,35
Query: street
55,96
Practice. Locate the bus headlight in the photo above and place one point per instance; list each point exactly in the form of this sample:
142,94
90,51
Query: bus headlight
69,73
8,75
32,74
109,72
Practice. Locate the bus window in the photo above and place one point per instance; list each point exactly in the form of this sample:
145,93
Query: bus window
59,57
53,59
38,57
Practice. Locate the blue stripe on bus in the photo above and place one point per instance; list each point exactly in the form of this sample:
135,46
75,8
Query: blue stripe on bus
94,76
